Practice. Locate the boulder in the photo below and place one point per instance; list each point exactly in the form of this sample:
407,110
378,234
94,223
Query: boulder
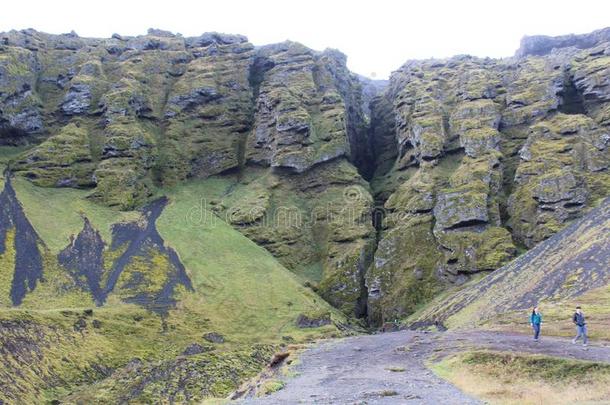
459,208
195,348
313,320
214,337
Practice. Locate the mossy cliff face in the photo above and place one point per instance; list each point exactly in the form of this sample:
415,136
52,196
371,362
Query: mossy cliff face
153,108
490,155
63,160
467,160
126,115
308,108
208,111
569,264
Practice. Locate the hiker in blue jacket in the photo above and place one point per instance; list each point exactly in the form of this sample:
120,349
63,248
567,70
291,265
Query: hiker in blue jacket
535,321
581,326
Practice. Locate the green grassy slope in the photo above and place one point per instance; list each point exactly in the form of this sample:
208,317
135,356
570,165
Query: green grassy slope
240,292
244,290
56,213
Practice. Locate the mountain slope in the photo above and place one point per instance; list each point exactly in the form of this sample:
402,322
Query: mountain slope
571,263
124,116
237,293
172,205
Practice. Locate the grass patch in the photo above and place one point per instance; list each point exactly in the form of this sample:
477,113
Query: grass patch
310,272
269,387
515,378
56,213
8,153
245,292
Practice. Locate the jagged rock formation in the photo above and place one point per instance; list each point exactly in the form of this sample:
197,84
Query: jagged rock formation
301,116
377,194
544,44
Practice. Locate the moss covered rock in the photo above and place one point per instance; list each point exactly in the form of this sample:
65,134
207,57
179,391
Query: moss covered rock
301,117
63,160
472,154
493,153
20,106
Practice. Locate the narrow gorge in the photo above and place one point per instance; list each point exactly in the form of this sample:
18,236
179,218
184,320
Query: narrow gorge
465,162
136,167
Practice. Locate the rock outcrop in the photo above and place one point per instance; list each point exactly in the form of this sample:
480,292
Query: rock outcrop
538,45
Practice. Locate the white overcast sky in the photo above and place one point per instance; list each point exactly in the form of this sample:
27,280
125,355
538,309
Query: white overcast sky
377,35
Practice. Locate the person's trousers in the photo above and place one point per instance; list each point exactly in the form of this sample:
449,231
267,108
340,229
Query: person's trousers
581,331
536,327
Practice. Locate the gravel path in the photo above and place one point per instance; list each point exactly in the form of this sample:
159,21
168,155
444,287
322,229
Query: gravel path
356,370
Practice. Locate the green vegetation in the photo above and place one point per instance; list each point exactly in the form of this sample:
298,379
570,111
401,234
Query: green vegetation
241,292
62,159
8,153
269,387
513,378
245,292
56,213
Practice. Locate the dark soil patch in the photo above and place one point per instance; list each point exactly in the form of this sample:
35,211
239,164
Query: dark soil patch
144,241
84,258
28,258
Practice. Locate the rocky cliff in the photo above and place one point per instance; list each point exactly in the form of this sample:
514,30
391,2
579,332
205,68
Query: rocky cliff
488,158
378,195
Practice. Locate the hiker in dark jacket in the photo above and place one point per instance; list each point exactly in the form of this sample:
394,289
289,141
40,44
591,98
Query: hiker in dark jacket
581,326
535,321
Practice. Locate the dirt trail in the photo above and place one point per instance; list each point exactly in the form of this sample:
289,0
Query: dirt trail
355,370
